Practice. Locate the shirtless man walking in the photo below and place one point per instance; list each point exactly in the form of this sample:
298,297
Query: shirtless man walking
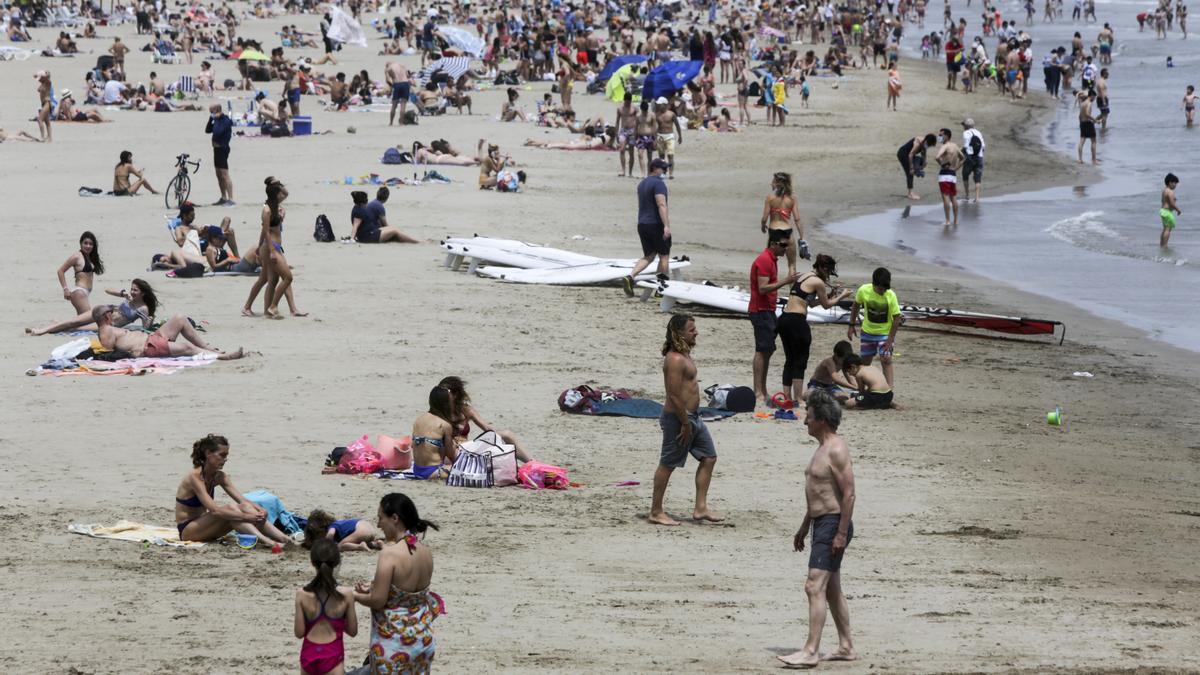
669,133
950,160
627,123
398,79
683,431
647,129
829,493
161,343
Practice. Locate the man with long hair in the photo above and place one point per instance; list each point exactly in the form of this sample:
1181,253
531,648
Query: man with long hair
683,431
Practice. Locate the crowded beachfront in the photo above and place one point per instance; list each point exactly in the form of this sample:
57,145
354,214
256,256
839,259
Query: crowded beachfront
632,242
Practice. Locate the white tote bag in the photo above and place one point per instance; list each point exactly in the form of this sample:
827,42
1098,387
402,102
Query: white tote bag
504,457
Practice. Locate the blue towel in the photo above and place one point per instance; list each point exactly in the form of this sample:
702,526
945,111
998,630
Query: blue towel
646,409
277,513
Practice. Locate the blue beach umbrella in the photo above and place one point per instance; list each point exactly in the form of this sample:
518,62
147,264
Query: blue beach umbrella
669,78
614,64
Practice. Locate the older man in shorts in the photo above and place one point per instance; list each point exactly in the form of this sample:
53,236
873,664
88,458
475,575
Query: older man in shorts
161,343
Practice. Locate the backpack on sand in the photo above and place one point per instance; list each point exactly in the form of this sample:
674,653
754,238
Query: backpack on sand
323,231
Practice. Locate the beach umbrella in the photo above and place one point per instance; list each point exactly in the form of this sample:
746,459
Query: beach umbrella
463,39
453,66
669,78
618,62
615,89
251,55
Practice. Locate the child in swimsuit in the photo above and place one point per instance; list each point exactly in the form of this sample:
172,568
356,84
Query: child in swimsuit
352,534
332,610
873,389
827,374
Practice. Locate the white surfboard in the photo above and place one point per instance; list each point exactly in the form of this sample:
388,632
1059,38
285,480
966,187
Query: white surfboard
515,253
730,299
575,275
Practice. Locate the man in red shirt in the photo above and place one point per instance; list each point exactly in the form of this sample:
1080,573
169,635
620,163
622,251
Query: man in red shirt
953,49
763,287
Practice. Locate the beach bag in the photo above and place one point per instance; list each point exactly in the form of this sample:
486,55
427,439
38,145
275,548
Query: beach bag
471,469
729,397
976,145
504,457
360,457
323,230
392,156
578,399
396,453
537,475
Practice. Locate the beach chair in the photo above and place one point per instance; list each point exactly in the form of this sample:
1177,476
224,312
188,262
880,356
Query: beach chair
164,52
185,87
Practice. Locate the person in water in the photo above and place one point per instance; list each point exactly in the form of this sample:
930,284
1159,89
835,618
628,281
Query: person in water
1170,209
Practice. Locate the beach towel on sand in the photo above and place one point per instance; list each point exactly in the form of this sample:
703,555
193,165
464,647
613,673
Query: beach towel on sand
127,530
646,409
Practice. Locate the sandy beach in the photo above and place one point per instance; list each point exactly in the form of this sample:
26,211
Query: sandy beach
986,540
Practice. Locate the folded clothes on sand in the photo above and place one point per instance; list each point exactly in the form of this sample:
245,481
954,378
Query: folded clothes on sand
127,530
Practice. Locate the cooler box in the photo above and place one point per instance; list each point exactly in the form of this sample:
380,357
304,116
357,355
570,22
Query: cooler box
301,125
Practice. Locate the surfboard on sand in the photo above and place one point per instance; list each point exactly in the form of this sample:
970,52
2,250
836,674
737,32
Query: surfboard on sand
575,275
510,252
729,299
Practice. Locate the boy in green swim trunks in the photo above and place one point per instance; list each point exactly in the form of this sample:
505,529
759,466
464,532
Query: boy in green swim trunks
1169,208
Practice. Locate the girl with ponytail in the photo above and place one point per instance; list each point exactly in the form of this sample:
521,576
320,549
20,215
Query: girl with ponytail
399,596
332,610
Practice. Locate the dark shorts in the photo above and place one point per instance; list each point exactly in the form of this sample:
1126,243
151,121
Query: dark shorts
1087,129
973,169
831,387
653,241
121,193
221,158
873,399
673,454
764,331
293,95
328,45
368,237
824,529
400,91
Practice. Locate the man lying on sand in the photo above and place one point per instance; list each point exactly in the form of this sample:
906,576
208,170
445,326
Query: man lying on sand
161,343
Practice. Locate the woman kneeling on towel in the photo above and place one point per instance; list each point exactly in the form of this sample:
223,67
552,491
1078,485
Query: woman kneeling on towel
433,444
463,413
197,514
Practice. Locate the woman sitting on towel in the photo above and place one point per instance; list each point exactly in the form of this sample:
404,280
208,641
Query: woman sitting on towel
433,444
197,514
463,413
140,305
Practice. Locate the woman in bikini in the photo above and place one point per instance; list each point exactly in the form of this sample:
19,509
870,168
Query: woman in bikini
780,213
198,517
433,443
810,290
491,165
591,141
45,103
463,413
122,185
509,111
742,79
402,606
275,272
86,264
140,304
424,155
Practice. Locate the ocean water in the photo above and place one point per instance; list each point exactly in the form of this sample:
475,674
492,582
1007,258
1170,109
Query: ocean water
1094,246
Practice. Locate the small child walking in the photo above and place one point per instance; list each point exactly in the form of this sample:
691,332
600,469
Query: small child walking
332,610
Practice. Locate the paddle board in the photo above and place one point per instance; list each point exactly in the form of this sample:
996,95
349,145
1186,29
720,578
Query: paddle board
731,299
515,253
594,273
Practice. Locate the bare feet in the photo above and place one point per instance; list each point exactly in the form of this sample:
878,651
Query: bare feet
662,519
272,314
914,196
800,659
707,516
297,313
231,356
32,331
246,311
840,655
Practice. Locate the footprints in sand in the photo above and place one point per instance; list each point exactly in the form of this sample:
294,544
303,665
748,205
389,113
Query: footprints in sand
975,531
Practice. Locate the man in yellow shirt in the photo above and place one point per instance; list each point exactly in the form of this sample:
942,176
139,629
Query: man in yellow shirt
881,319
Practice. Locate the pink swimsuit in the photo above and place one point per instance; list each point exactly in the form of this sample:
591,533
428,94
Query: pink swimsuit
318,659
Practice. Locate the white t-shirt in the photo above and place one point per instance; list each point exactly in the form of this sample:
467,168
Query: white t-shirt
113,90
967,135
